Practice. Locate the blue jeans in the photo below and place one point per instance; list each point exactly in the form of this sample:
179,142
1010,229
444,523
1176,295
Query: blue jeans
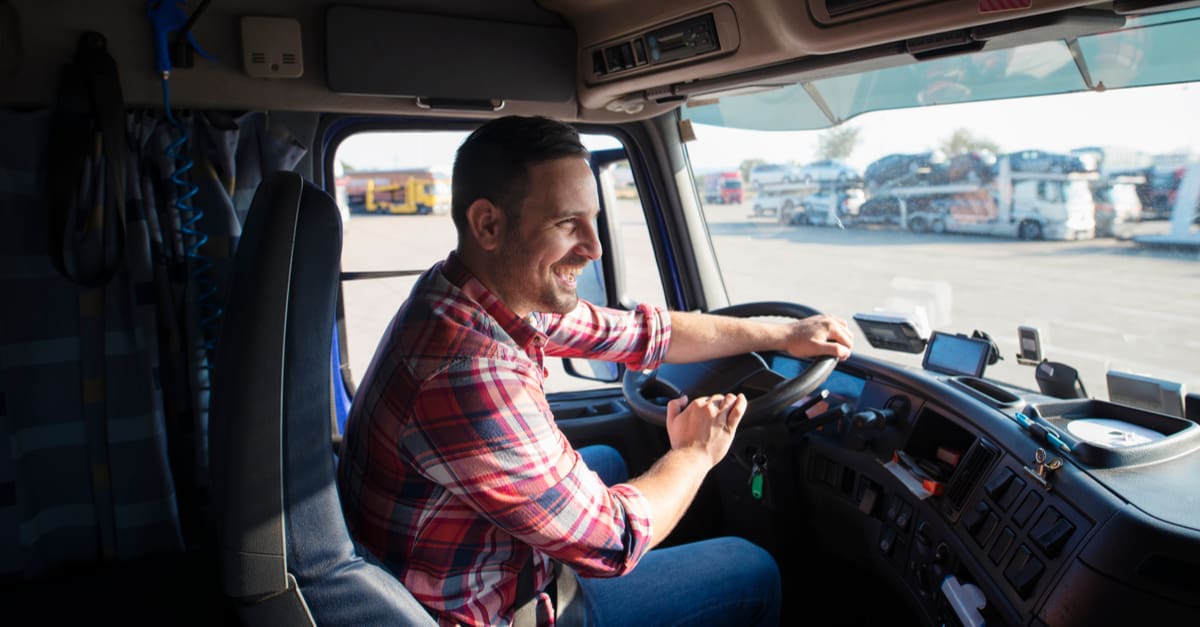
722,581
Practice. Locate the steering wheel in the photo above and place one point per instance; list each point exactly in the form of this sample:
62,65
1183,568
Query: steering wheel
647,392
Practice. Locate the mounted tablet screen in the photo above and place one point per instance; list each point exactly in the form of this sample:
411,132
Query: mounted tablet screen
956,354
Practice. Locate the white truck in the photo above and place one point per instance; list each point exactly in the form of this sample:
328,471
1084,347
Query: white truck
1024,204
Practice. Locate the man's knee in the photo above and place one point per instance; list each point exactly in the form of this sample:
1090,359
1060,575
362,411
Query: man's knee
750,561
606,462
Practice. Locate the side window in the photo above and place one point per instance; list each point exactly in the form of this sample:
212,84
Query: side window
394,189
640,281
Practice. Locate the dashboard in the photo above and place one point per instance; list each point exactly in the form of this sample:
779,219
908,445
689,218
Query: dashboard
980,506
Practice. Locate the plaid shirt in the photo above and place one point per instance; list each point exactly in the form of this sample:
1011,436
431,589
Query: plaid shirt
453,469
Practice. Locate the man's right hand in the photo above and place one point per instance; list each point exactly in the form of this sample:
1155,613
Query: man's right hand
700,435
707,424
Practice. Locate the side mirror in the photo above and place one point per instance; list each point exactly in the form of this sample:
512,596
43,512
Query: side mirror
594,369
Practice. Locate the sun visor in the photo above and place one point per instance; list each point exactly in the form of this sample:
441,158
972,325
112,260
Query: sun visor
381,52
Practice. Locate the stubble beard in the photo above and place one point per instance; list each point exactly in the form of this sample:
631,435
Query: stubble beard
548,298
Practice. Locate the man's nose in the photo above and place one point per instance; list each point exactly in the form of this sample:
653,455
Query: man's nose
590,244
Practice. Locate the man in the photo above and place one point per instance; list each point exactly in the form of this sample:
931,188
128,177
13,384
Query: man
453,471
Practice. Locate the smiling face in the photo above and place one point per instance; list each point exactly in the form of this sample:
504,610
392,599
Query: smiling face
537,256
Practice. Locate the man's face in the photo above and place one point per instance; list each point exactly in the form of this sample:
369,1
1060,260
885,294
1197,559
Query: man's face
553,239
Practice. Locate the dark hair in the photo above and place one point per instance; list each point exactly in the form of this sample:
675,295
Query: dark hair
493,162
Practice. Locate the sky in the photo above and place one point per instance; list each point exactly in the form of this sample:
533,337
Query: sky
1157,120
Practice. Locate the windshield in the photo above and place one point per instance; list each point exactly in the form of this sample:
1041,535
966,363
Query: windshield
1000,230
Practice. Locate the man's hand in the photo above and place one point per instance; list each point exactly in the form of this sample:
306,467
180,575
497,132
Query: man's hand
695,337
820,335
700,436
707,425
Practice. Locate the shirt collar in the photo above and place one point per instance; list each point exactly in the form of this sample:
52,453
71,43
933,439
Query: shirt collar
519,329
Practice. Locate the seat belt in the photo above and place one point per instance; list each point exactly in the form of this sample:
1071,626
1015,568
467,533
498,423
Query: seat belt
526,614
565,600
87,214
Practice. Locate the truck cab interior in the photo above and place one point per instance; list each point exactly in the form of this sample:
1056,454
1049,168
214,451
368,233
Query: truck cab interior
190,298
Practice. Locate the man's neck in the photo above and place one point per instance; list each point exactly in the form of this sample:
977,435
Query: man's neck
480,265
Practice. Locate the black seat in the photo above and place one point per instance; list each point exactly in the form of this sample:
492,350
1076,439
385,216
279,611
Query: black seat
286,555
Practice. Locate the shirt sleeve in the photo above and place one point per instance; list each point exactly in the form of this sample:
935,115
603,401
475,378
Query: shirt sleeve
484,431
638,338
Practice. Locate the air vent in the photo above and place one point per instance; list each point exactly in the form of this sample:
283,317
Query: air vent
258,57
972,467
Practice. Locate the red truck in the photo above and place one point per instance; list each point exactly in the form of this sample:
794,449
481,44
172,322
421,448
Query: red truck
723,188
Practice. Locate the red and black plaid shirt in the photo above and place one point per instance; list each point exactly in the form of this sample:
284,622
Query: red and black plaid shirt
453,469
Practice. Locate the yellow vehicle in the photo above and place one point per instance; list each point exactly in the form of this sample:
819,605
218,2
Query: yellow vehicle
400,192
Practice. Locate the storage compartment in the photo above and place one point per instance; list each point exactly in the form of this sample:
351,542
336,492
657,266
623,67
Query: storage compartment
942,459
987,391
1108,435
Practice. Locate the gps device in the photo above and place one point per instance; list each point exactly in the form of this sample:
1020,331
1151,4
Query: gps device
891,332
956,354
1030,344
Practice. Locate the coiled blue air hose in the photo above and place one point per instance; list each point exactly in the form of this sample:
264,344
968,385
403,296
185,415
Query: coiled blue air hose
194,239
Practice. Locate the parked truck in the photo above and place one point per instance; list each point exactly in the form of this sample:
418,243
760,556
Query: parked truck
723,188
398,191
1017,201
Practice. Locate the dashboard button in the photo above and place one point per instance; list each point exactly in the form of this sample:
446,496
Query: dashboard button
1052,533
887,540
999,483
1003,541
923,531
1010,495
1024,571
975,517
1026,509
985,530
905,516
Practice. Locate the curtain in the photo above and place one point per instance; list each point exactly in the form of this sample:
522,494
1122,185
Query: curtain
104,389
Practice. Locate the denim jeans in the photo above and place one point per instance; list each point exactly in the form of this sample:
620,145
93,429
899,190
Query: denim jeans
722,581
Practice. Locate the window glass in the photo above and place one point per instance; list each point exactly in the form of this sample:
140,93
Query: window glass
640,281
1000,231
395,188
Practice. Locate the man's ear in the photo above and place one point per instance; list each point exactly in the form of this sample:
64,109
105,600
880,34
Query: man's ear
485,222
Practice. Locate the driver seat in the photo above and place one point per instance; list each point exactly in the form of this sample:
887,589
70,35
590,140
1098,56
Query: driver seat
286,555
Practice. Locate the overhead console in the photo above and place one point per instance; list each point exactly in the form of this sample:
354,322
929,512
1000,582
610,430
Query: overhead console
679,42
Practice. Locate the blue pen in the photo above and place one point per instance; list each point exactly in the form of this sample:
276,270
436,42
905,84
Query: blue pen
1057,442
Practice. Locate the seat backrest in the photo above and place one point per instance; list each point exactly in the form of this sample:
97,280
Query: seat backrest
286,555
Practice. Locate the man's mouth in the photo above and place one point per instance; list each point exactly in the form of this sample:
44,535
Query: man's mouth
567,275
